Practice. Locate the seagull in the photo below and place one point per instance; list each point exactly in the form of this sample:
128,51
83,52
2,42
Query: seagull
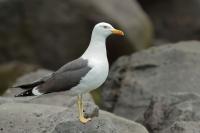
79,76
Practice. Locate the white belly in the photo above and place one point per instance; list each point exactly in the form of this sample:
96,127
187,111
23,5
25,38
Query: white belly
95,78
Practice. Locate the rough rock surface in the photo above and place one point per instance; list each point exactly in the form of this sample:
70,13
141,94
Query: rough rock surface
46,31
134,79
178,113
33,118
172,17
184,127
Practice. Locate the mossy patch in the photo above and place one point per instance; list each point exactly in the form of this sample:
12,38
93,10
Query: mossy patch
96,94
9,72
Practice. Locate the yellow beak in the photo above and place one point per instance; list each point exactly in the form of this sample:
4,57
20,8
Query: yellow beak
118,32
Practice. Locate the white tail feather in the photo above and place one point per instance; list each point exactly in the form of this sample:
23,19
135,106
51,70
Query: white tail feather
36,92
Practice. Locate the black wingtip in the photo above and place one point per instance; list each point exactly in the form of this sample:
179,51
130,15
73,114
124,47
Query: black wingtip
25,93
28,85
19,86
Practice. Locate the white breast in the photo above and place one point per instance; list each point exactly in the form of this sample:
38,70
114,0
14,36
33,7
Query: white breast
97,59
95,77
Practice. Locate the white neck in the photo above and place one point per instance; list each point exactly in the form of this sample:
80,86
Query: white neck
96,48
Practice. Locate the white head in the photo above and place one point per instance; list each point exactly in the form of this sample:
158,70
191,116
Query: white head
104,29
97,44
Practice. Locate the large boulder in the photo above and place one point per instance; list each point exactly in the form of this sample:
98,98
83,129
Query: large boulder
33,118
52,32
163,70
174,20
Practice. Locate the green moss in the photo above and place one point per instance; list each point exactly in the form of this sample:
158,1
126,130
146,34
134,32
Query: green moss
10,72
96,94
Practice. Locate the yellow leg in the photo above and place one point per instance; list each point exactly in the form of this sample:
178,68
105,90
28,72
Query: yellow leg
80,110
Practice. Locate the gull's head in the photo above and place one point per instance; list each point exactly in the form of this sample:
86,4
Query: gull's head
105,29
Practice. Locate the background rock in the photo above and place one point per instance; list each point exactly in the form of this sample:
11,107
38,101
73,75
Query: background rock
45,31
134,79
178,113
34,118
174,20
9,72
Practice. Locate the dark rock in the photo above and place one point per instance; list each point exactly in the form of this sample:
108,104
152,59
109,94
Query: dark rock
133,80
173,114
33,118
46,31
112,86
174,20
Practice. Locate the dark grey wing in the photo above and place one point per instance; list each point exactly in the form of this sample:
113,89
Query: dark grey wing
66,77
34,83
73,65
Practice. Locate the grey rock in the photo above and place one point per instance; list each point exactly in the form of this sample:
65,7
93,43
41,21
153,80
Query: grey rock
33,118
90,108
52,32
105,123
178,113
163,70
184,127
173,26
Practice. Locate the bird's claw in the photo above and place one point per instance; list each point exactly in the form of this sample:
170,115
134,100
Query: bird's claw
84,120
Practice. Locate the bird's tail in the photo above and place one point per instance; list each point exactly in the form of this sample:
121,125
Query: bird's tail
29,88
25,93
29,85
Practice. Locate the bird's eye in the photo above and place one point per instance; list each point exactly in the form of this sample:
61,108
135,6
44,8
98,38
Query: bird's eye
105,27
